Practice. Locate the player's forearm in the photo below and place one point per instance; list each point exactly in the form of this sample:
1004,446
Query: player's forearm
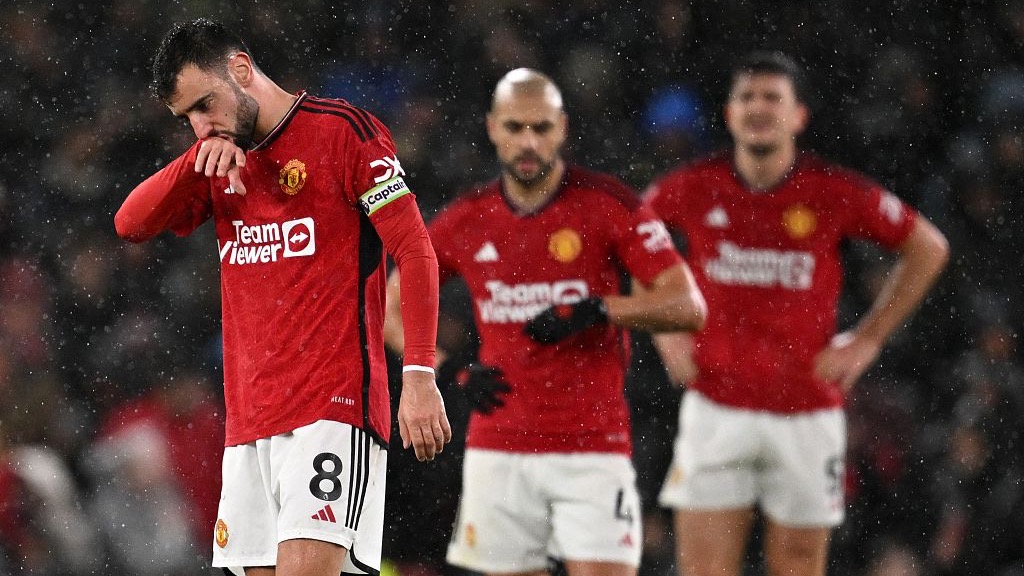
672,303
656,312
419,298
155,203
922,258
405,237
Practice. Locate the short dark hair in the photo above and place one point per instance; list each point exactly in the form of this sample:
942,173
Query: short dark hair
201,42
771,62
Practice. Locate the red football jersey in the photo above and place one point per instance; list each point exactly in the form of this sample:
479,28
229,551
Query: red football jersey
566,397
769,266
302,268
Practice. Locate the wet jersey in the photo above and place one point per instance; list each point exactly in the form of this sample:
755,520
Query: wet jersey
768,264
302,267
566,397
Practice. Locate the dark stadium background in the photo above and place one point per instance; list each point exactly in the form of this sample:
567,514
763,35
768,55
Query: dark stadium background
109,352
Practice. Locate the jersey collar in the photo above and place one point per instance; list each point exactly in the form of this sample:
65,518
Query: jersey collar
540,207
282,124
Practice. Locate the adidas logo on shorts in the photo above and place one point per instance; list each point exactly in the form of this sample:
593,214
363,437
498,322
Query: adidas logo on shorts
325,514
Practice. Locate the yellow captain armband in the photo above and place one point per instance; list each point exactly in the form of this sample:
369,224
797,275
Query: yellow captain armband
382,195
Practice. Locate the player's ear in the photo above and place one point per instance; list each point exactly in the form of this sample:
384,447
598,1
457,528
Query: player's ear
492,126
803,116
241,68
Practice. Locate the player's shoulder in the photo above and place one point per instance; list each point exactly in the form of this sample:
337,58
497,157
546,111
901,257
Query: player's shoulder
475,199
342,115
602,186
717,165
816,166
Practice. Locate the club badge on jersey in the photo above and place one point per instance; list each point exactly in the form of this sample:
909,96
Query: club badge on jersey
292,177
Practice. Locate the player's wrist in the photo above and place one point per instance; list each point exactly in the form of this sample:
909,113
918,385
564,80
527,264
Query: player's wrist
417,368
599,309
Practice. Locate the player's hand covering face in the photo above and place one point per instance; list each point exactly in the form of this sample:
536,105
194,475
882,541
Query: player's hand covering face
528,132
215,106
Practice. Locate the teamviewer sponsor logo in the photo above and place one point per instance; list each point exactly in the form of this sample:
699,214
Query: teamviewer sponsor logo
765,268
517,303
266,243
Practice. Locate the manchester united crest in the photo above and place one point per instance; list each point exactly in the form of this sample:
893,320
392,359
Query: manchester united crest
565,245
799,221
292,177
220,533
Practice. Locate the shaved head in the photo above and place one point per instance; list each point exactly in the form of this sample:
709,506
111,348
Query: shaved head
529,83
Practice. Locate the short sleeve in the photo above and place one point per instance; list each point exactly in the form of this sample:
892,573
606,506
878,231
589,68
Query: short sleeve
644,244
659,197
376,172
878,215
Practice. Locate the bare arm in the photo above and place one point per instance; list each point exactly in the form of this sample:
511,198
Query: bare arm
676,352
675,347
671,302
922,256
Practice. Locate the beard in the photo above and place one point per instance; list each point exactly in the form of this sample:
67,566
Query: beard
762,150
245,119
544,168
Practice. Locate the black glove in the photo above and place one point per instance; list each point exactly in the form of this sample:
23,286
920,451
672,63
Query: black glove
482,386
559,322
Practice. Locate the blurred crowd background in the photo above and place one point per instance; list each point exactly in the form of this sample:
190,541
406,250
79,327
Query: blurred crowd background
110,404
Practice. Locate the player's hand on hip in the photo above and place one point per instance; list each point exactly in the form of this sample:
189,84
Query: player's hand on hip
422,421
559,322
845,359
221,157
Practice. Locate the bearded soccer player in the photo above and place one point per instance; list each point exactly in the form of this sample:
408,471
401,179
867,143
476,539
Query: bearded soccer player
306,194
762,423
543,250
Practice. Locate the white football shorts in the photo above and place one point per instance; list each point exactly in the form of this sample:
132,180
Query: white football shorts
323,481
518,510
791,465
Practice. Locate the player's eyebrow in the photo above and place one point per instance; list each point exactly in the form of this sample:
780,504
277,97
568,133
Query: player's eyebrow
199,102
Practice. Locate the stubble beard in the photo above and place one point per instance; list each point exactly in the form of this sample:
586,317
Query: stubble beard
762,150
543,169
245,119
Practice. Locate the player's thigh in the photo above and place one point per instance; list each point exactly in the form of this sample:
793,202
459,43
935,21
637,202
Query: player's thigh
502,526
795,550
803,483
712,542
303,557
587,568
715,457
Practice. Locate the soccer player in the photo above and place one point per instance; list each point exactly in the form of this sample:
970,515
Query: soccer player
544,250
306,194
762,423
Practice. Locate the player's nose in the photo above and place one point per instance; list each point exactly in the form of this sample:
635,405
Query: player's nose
528,140
202,127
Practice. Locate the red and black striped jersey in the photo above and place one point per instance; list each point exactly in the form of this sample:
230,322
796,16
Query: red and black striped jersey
566,397
768,263
302,267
